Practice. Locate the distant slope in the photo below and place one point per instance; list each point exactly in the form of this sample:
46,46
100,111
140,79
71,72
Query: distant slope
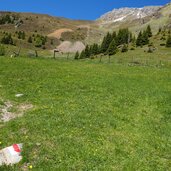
127,14
59,29
136,19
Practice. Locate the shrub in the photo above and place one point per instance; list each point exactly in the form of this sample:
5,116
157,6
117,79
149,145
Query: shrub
2,50
30,39
38,42
124,48
150,50
162,44
7,39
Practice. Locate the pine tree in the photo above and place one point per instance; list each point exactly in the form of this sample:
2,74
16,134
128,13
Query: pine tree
114,35
95,49
87,51
38,42
149,32
159,31
124,37
82,55
19,35
106,42
112,50
139,39
168,42
23,35
91,50
7,39
2,50
145,38
77,55
30,39
133,41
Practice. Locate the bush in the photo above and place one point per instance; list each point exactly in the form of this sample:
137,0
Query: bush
30,40
162,38
2,50
132,48
150,50
124,48
7,39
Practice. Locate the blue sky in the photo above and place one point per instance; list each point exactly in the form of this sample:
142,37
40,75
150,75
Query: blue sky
74,9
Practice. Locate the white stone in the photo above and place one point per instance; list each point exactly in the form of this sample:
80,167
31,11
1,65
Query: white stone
19,95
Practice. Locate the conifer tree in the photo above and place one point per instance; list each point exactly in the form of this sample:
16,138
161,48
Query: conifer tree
145,37
139,39
19,35
149,32
95,49
106,42
124,37
30,39
159,31
112,50
82,55
23,35
7,39
2,50
77,55
168,42
87,52
38,42
114,35
134,41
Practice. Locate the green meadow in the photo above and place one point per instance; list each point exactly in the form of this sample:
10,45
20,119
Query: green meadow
88,115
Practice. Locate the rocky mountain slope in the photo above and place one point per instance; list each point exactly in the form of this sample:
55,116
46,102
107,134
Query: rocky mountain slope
125,14
136,19
58,30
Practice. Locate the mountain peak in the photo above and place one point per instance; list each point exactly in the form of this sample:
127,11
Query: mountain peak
124,14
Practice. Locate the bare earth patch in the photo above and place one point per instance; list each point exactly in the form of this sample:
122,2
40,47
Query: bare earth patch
6,113
57,34
70,47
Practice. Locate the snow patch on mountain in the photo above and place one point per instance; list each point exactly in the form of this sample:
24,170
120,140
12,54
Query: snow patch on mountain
124,14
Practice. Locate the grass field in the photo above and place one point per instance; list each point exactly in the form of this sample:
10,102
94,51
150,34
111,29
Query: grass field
88,115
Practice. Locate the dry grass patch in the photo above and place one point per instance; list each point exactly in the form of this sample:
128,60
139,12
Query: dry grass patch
9,111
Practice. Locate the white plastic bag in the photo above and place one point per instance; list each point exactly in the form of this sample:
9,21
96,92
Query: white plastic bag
11,155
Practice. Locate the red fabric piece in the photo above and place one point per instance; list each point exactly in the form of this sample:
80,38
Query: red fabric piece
16,148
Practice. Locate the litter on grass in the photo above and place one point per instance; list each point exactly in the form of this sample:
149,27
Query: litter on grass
11,155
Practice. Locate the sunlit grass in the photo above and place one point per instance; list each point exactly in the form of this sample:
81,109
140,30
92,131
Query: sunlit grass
88,115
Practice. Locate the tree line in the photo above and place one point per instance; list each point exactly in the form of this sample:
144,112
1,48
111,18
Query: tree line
38,40
109,45
113,42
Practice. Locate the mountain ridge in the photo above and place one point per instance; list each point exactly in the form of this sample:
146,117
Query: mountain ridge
126,13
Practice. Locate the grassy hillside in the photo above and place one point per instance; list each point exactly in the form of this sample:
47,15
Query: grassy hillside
87,115
33,24
56,29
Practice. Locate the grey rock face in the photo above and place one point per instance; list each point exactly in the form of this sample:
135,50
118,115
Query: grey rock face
124,14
